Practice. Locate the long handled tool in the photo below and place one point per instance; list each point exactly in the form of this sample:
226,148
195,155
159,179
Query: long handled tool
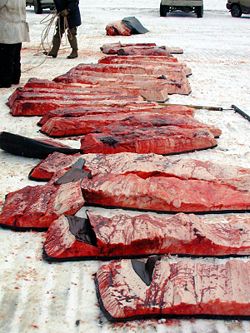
199,107
242,113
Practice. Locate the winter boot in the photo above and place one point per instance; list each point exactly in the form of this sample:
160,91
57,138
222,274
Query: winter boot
55,46
73,43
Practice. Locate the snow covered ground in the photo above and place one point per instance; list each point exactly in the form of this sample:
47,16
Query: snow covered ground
60,298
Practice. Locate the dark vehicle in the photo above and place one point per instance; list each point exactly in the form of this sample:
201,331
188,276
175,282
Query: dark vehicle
238,7
39,5
183,5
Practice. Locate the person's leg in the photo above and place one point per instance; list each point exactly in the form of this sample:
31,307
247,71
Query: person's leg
56,42
73,43
16,64
6,65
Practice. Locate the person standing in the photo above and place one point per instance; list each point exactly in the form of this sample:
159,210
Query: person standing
13,31
69,18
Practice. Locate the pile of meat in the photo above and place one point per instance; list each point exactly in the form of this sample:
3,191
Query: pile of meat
105,104
142,182
124,132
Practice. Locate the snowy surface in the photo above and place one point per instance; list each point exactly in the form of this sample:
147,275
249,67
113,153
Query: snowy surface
60,298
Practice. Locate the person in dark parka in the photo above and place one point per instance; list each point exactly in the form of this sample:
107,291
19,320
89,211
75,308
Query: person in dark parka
69,18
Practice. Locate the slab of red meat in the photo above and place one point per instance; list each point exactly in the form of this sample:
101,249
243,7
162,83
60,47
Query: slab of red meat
159,193
111,59
111,48
35,83
98,92
173,82
103,110
20,93
130,289
125,68
37,207
124,235
173,76
147,62
68,126
41,107
146,166
156,90
74,95
159,140
139,48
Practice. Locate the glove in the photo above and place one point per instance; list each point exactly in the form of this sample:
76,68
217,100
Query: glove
64,13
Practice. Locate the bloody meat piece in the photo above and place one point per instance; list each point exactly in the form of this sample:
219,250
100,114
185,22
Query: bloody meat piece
159,193
103,110
75,96
115,59
68,126
41,107
130,289
111,48
146,166
139,48
38,206
123,235
128,68
158,140
118,28
174,82
40,148
166,64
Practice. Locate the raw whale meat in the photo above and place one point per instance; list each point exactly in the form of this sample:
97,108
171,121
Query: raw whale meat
139,48
117,28
40,148
145,166
41,107
173,84
129,289
159,140
79,97
133,69
126,27
103,110
160,193
123,235
37,207
68,126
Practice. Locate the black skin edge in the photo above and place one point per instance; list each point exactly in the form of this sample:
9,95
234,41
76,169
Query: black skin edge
24,146
74,174
145,270
109,140
170,212
47,258
22,229
82,230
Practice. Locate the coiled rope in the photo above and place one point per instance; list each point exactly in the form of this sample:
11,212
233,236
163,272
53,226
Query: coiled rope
46,41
